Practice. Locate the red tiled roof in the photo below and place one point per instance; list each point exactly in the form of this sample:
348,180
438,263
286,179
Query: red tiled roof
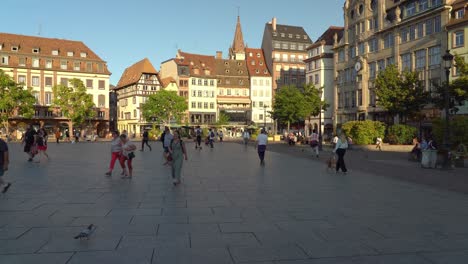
133,73
200,65
45,46
166,81
260,68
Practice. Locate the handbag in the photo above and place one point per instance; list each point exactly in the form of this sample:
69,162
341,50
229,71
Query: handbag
131,155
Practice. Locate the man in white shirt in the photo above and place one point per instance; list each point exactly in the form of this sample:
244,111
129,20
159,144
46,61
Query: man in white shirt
262,140
246,136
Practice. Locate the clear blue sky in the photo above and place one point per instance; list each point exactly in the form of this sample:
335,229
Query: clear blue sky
123,32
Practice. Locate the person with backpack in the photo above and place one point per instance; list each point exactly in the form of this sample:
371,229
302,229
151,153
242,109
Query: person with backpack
178,153
211,138
145,140
198,134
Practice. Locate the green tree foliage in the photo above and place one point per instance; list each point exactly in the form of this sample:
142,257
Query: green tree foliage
74,102
400,134
164,106
364,132
313,99
458,129
14,99
223,119
400,93
458,88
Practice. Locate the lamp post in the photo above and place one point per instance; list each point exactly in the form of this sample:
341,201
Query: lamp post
320,121
447,58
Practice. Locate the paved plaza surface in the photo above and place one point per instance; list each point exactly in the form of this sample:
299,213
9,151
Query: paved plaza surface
227,210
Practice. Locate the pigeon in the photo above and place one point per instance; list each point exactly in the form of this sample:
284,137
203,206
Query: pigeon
85,233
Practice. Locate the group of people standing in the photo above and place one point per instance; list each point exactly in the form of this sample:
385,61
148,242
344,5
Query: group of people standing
35,143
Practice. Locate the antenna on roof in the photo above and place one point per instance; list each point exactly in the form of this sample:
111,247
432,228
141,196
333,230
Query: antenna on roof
39,30
238,10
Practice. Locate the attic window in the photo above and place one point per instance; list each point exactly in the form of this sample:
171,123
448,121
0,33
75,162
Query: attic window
258,55
305,36
241,82
265,71
250,53
239,64
70,54
191,63
253,62
257,71
83,54
227,71
298,36
241,71
282,35
226,63
35,50
55,52
203,64
14,48
261,63
290,35
275,34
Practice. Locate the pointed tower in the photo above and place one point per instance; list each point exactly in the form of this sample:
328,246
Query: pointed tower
237,50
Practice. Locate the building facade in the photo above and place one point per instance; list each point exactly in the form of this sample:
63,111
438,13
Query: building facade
457,30
409,34
284,47
320,72
136,84
42,63
260,88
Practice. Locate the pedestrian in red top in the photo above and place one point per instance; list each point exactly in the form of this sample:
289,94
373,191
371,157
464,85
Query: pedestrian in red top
116,150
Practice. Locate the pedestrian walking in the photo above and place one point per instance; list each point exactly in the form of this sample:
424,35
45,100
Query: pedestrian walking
28,141
41,146
128,154
246,137
166,142
116,150
57,136
340,150
198,134
221,135
178,153
145,141
4,162
262,140
77,136
67,135
211,137
378,143
314,143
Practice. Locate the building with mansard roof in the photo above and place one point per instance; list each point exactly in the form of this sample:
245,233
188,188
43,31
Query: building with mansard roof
136,84
42,63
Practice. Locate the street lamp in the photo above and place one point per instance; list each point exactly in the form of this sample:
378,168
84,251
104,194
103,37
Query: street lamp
320,120
447,58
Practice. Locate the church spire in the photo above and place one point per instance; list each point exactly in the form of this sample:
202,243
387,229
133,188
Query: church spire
237,50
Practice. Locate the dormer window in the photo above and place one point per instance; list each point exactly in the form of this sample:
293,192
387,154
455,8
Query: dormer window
283,35
226,63
35,50
257,71
83,54
1,46
227,71
55,52
70,53
241,71
275,34
290,35
305,36
261,63
14,48
250,54
258,55
203,64
265,71
239,64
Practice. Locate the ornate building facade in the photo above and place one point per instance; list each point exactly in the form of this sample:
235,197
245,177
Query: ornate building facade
42,63
409,34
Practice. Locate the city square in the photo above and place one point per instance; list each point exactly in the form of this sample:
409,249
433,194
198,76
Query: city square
228,209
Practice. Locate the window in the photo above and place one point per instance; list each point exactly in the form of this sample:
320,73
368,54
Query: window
63,65
429,26
420,59
390,61
434,56
14,48
134,100
194,81
22,61
22,79
205,105
48,81
199,81
412,32
76,66
420,29
277,44
352,52
361,48
83,54
211,82
5,60
410,9
200,93
460,13
102,100
435,3
458,39
70,54
284,45
260,104
317,79
35,62
89,66
102,114
341,55
211,105
100,67
293,46
134,113
199,105
406,61
89,83
381,65
373,45
37,97
205,82
35,81
282,35
194,105
389,40
437,24
404,35
48,98
102,84
48,64
228,92
423,5
300,46
372,70
55,52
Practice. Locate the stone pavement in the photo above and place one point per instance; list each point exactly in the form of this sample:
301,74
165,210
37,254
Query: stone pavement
228,210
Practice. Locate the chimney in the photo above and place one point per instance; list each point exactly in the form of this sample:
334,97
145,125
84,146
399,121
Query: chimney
273,23
219,54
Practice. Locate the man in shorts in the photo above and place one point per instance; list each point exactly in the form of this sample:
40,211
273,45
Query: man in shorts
4,161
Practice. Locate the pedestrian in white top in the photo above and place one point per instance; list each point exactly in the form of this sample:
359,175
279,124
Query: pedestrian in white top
314,143
378,143
262,140
340,150
246,136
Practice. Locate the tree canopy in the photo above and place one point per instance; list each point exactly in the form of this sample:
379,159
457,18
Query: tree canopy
293,104
400,93
14,99
74,102
164,106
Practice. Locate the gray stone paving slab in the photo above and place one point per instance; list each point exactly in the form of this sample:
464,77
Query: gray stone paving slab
286,212
49,258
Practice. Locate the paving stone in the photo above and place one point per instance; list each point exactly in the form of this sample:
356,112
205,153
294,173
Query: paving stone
455,257
123,256
391,259
320,249
152,241
216,240
193,256
49,258
243,254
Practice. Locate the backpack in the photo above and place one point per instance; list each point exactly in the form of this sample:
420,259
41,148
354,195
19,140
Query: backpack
212,135
198,132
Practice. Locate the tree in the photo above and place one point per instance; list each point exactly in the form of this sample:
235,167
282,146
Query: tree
314,102
223,119
164,106
400,93
290,105
14,98
74,102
